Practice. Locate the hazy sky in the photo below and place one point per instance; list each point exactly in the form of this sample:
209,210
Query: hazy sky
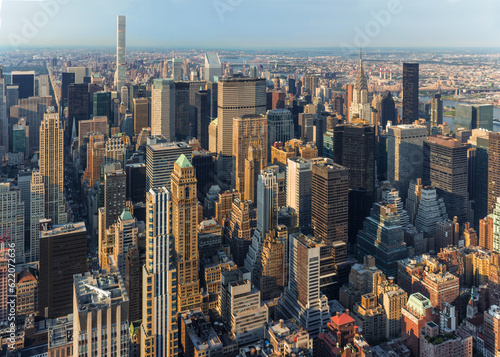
252,23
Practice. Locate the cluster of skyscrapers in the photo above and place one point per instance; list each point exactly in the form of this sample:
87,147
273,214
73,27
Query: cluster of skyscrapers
204,212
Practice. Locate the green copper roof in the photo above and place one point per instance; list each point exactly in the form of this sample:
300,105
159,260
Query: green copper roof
126,215
183,162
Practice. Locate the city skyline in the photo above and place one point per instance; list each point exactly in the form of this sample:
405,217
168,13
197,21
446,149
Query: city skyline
321,24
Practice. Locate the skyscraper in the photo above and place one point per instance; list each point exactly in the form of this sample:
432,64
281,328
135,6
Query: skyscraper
280,124
405,156
213,66
382,236
159,334
177,74
329,202
121,65
37,213
436,110
63,253
185,232
445,168
100,299
141,114
237,97
52,167
360,106
26,82
12,218
410,92
250,152
354,148
389,111
160,159
298,189
78,106
202,105
4,118
163,108
102,105
493,170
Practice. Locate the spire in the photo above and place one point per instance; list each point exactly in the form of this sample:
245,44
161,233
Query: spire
361,83
73,130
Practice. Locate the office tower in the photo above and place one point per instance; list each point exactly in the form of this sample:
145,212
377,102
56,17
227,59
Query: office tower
184,230
479,167
410,92
354,147
280,126
121,64
470,117
493,170
298,189
78,106
34,109
100,314
370,318
382,236
63,253
416,313
195,87
445,168
24,185
181,110
136,182
12,218
436,110
177,74
141,114
96,152
133,283
43,85
67,78
311,82
160,159
431,210
269,274
389,111
486,232
240,305
435,341
117,150
102,105
484,116
4,113
203,117
82,74
18,138
159,334
163,108
329,201
278,99
267,208
98,125
126,235
26,82
405,155
302,299
250,152
51,165
37,213
306,126
114,193
213,67
360,105
242,222
236,98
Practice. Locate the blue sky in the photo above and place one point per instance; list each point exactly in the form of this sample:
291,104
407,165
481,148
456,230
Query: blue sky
253,23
